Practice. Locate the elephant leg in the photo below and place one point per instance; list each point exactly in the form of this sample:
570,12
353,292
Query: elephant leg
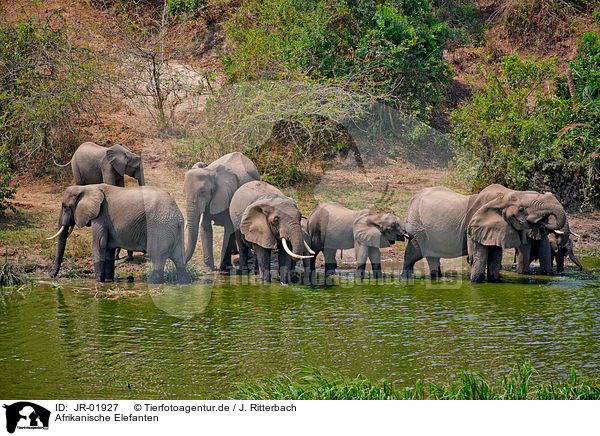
560,261
494,263
523,258
243,259
178,258
375,258
330,263
479,262
412,254
263,259
284,263
545,254
228,248
206,235
435,268
362,253
109,265
307,264
158,271
99,251
129,257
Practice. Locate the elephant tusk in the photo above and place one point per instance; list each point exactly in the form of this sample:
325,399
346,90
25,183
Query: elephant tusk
559,232
575,234
59,232
310,250
288,251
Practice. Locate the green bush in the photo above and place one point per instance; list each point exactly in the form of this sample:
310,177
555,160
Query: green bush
393,48
45,84
6,190
519,132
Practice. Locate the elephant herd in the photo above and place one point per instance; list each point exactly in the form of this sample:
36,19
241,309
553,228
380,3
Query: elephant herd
258,218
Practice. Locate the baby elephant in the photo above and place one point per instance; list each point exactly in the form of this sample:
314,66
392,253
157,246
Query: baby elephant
144,218
332,227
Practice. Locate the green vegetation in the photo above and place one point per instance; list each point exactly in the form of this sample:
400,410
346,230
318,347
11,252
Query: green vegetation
45,83
6,190
9,276
391,48
523,133
311,383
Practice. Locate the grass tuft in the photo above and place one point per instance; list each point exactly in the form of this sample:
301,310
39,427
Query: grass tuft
312,383
9,276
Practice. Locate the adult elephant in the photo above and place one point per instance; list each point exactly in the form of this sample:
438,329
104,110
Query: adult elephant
144,218
93,164
208,192
333,226
264,219
446,224
548,247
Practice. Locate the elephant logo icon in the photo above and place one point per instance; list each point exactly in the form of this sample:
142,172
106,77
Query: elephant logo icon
24,414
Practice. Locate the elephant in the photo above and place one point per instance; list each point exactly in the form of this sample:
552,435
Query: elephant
199,164
332,226
143,218
548,247
208,192
264,219
446,224
92,164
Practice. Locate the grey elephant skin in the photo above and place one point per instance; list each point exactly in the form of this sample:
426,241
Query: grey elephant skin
144,218
208,192
93,164
332,227
446,224
548,247
264,220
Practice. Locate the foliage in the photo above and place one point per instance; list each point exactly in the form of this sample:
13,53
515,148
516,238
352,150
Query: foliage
311,383
520,132
9,276
45,84
392,48
242,117
6,191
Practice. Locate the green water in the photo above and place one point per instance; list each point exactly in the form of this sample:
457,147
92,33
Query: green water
200,340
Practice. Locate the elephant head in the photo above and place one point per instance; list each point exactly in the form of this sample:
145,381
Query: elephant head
80,205
207,190
273,218
379,230
124,161
503,218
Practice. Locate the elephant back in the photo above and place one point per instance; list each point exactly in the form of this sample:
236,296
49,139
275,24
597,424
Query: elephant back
240,165
330,225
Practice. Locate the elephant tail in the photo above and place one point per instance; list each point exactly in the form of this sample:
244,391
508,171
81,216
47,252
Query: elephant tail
59,165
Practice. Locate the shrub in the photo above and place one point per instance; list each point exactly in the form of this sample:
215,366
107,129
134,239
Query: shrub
517,133
392,48
45,83
6,191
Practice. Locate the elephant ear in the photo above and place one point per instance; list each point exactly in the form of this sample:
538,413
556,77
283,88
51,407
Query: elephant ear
226,185
367,230
88,206
255,228
117,157
489,227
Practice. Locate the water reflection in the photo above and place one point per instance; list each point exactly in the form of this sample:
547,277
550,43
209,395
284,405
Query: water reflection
198,341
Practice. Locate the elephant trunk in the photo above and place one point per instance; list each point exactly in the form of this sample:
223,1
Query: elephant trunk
60,251
298,247
192,221
560,217
141,179
574,259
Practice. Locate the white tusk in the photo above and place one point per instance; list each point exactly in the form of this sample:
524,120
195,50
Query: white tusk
575,234
308,248
559,232
288,251
59,232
